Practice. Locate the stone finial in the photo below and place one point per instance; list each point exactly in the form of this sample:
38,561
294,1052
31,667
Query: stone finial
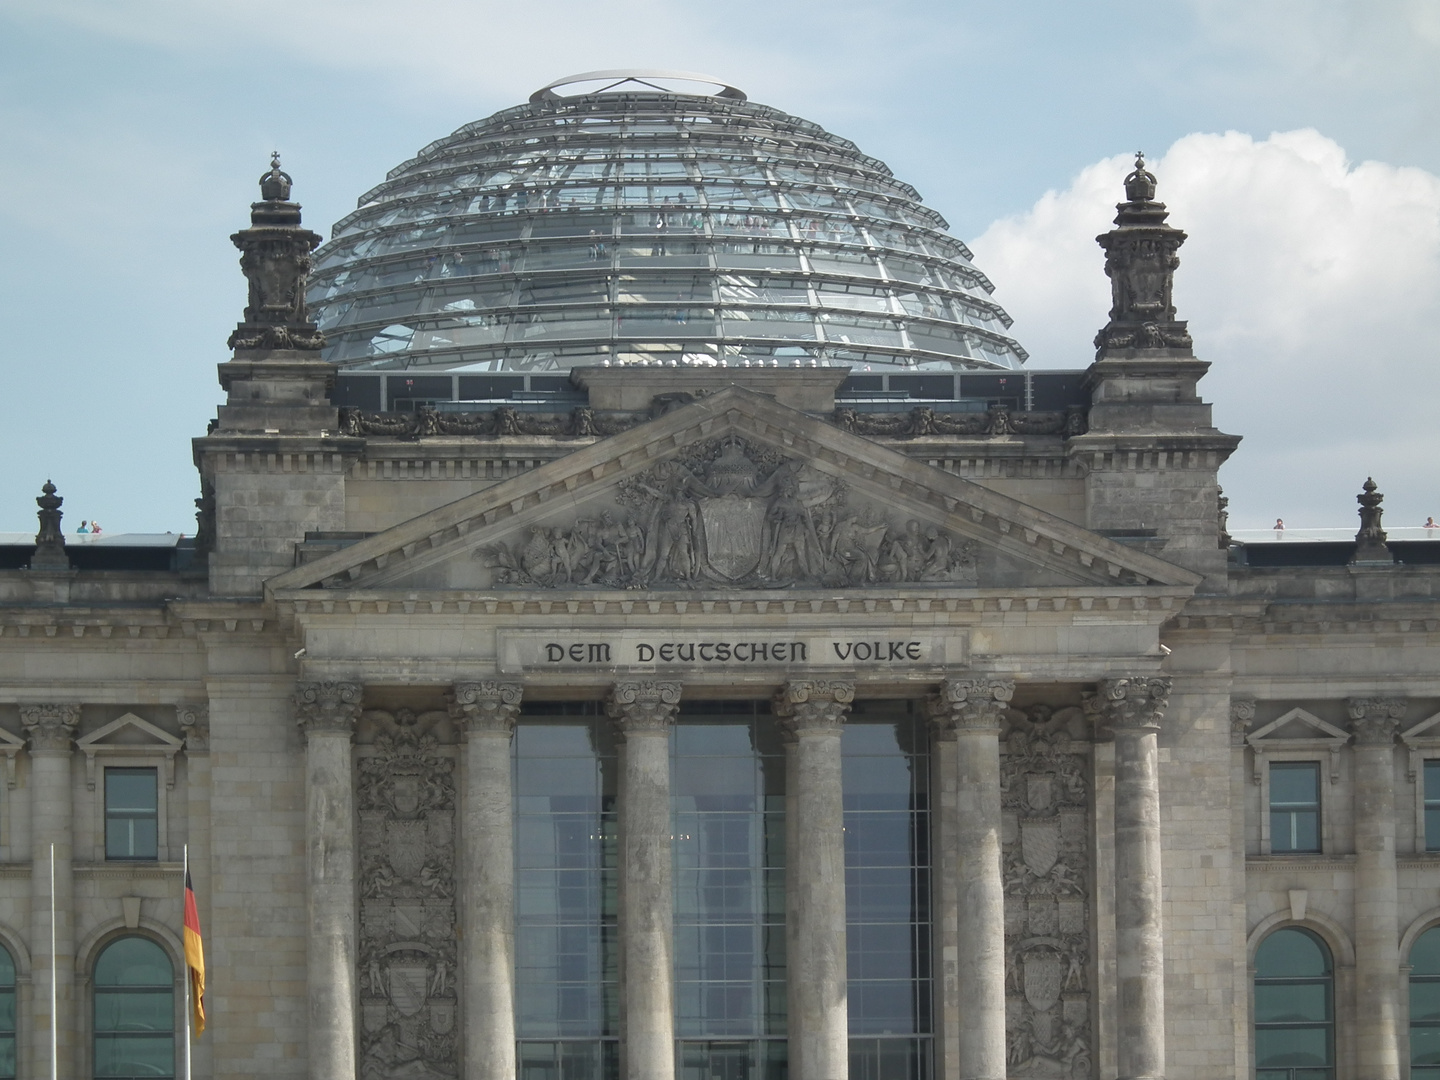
49,541
1242,715
1374,721
813,706
50,728
322,707
486,708
969,705
1140,260
645,706
195,726
1370,540
1130,704
275,257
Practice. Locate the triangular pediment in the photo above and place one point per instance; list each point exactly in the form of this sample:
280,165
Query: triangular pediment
1297,726
129,736
734,491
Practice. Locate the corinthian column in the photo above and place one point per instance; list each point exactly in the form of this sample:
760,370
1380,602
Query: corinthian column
487,710
813,714
327,712
1133,709
50,729
1377,949
969,713
643,712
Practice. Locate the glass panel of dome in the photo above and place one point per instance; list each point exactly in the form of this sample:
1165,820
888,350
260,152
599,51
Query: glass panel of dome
849,264
631,290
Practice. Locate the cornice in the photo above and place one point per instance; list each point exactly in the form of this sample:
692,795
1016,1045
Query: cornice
1281,864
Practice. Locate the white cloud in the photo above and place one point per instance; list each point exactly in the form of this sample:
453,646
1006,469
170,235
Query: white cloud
1311,283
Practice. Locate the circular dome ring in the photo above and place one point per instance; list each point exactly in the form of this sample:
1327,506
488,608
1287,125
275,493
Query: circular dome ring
643,77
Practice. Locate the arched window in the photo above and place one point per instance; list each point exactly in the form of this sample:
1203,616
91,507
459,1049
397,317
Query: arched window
1425,1006
134,1012
1294,1008
7,1015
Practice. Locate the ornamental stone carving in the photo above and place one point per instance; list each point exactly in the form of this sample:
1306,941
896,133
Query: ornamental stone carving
50,728
644,706
728,515
328,706
1242,715
1376,720
1045,807
195,726
969,705
486,707
815,706
1130,704
405,797
1370,543
50,540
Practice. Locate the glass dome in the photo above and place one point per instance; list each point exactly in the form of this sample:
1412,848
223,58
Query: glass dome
637,223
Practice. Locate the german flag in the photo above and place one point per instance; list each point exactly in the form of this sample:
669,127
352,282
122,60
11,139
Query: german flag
194,956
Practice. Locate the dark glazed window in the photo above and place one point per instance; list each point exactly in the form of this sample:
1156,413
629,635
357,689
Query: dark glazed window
728,798
131,814
1425,1003
134,1012
887,892
1432,806
7,1015
1294,807
565,894
1294,1008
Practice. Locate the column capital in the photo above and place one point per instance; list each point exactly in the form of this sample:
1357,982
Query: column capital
644,706
195,726
976,705
328,707
1242,715
813,705
1375,720
50,727
486,708
1135,703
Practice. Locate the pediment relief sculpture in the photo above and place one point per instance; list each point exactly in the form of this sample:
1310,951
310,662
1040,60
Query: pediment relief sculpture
729,514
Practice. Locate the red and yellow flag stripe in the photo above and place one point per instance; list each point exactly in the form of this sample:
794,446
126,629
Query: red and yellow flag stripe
194,956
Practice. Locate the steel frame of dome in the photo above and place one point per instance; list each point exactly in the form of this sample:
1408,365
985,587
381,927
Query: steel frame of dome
650,228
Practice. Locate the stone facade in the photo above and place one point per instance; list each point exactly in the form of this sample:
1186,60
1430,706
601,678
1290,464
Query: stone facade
1104,691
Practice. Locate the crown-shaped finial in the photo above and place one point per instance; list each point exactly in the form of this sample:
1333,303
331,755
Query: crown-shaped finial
1140,184
275,185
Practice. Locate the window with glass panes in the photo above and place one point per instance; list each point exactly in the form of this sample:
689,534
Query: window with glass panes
134,1012
7,1015
727,794
1425,1006
131,814
1432,806
1294,806
887,891
1294,1008
567,1011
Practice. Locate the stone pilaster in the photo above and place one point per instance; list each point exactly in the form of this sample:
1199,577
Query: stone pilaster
969,713
51,731
1377,950
1133,709
327,713
487,711
813,715
643,712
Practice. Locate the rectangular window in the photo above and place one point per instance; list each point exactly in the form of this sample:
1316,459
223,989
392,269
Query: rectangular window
131,814
1432,806
1294,807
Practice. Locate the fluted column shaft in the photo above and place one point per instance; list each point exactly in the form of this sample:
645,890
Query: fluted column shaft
643,713
813,715
968,712
50,729
1377,948
488,711
1133,709
327,713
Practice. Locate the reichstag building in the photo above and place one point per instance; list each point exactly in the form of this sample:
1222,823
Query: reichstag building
646,621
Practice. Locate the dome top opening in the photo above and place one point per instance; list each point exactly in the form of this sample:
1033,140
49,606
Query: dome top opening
643,80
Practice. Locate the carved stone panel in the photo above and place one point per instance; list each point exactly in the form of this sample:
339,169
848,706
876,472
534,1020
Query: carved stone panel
1045,799
408,999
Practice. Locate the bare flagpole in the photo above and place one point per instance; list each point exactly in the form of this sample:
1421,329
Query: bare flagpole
54,979
184,878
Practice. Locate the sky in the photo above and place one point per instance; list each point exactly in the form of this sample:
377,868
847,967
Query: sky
1295,141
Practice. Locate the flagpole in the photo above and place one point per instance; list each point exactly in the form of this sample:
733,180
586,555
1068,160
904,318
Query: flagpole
183,879
54,978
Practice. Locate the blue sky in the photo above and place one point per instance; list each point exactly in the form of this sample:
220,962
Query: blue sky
134,133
